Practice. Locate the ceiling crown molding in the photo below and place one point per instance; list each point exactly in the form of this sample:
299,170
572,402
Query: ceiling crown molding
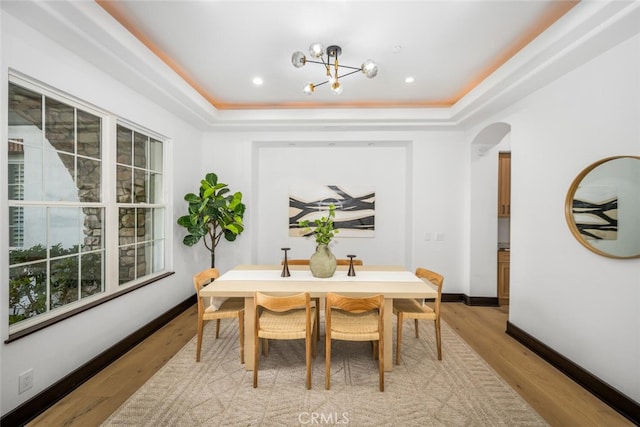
586,31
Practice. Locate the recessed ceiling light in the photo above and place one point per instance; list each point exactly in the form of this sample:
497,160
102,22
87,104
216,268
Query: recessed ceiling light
257,81
409,80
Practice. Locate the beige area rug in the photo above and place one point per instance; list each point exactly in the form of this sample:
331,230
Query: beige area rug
460,390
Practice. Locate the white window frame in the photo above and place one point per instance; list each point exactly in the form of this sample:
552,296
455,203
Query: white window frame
108,202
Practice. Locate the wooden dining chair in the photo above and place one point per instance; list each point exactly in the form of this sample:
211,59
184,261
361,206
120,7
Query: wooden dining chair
339,261
231,308
417,309
284,318
354,319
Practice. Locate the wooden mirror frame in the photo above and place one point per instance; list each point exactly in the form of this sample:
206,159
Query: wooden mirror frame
568,208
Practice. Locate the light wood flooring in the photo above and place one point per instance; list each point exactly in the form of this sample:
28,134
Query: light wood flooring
554,396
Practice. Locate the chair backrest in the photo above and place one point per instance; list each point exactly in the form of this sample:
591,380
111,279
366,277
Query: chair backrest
201,279
342,261
282,303
436,279
297,262
355,305
339,261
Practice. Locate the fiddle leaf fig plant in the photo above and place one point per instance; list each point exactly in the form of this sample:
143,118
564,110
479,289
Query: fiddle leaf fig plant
212,213
323,230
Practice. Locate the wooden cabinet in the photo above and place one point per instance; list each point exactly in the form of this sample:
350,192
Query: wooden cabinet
503,277
504,185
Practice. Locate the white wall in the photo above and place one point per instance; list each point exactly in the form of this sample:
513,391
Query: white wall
428,168
584,306
59,349
283,168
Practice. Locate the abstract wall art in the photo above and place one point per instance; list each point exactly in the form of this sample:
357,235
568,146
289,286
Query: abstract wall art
355,208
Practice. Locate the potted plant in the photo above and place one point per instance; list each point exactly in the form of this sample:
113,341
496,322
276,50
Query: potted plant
322,263
213,212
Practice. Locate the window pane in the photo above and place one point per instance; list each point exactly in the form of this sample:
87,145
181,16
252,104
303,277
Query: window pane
16,227
140,186
158,255
158,223
64,281
91,270
155,188
89,134
144,230
60,125
16,175
25,116
89,178
93,229
64,227
123,184
155,155
27,291
140,150
127,226
124,140
59,176
33,170
144,257
127,270
34,244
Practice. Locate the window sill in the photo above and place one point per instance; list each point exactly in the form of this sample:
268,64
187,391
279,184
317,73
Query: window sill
28,331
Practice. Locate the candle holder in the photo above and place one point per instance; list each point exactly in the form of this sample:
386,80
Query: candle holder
285,264
352,271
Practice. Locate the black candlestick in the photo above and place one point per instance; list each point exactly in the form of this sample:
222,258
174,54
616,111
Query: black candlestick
352,271
285,264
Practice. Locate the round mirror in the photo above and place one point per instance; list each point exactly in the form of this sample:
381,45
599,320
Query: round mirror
602,207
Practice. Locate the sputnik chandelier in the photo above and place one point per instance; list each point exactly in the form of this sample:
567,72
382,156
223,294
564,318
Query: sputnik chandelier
331,65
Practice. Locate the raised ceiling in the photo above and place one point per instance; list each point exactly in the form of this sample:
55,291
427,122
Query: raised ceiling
448,47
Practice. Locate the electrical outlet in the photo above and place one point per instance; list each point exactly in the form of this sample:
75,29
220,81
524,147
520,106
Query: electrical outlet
25,381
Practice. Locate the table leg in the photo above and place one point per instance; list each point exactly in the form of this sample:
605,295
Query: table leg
249,327
387,318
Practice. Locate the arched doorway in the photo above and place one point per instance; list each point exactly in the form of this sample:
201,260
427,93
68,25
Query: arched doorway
484,226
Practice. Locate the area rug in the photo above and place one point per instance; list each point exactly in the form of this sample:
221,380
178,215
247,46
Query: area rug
460,390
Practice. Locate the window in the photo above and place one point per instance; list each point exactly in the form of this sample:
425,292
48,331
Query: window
140,210
60,201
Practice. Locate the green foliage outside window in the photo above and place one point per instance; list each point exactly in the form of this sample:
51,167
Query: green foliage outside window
28,279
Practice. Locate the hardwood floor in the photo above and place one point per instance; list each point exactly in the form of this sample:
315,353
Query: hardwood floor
557,398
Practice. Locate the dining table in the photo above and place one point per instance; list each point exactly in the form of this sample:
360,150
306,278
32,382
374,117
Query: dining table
390,281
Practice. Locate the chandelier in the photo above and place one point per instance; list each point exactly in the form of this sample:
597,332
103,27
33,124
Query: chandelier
331,65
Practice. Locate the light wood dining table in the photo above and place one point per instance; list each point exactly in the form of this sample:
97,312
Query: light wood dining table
389,281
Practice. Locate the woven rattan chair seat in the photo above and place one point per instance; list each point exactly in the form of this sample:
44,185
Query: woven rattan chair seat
288,325
229,308
412,309
354,326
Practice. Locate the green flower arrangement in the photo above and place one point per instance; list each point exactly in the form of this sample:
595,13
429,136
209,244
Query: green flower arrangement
323,230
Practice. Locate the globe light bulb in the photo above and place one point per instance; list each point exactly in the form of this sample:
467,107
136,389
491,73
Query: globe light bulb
316,50
369,68
336,87
298,59
309,88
